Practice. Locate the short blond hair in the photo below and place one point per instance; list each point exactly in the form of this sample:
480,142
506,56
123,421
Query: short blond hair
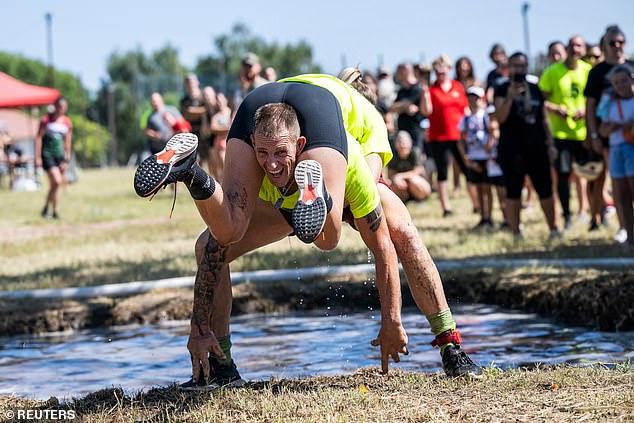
443,59
275,118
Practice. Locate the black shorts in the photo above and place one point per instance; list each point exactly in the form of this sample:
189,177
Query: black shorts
49,161
318,111
440,153
569,150
478,177
536,165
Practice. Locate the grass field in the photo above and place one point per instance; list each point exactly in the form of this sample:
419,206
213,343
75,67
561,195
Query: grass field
561,394
107,234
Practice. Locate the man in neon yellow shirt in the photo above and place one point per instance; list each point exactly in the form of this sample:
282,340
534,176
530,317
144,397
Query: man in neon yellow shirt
562,84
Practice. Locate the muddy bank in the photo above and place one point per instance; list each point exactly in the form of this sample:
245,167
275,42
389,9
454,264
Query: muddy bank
601,300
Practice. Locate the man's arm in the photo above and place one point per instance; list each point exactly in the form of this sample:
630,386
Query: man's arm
392,337
593,142
202,339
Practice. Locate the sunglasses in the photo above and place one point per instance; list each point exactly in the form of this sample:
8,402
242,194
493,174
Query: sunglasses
616,43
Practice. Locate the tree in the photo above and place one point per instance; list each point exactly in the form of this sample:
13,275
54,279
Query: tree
133,76
90,142
35,72
221,68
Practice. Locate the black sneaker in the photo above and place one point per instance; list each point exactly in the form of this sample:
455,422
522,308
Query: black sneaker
223,376
309,214
172,164
457,363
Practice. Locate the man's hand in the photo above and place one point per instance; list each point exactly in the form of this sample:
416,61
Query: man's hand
579,114
199,347
561,111
393,340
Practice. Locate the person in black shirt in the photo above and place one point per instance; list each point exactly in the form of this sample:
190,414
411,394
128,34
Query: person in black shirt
598,85
407,103
526,146
499,73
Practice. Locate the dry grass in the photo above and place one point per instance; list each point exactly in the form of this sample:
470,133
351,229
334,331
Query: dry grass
562,394
108,235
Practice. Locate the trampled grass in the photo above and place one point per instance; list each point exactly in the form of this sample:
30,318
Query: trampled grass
109,235
562,394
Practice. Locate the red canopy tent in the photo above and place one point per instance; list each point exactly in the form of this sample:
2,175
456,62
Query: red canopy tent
15,94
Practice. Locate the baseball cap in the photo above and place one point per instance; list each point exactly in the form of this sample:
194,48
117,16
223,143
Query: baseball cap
476,91
250,59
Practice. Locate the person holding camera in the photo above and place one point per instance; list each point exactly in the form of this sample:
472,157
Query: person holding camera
526,145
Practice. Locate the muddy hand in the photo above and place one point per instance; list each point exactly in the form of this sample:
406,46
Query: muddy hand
393,340
199,347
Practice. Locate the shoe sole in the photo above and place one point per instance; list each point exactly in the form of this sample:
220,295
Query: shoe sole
214,386
309,214
153,171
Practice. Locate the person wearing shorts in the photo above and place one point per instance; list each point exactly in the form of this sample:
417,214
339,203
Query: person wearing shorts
53,146
526,146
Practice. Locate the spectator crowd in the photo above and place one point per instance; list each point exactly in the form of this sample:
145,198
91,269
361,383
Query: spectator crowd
513,133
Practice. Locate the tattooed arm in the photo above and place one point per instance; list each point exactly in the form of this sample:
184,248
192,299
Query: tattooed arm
202,340
392,337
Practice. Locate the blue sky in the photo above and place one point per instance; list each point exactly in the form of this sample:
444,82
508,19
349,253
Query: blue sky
86,32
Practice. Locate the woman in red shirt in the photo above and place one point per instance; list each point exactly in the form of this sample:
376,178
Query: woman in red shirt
445,103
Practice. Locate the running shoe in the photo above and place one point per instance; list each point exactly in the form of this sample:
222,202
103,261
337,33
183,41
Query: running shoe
174,163
456,363
223,376
309,214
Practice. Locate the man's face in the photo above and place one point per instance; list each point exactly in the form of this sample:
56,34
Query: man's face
157,101
577,48
615,46
277,156
557,53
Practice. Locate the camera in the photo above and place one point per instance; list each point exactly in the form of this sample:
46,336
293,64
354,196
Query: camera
519,77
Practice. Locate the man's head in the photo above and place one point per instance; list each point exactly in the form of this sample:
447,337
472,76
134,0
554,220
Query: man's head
518,66
277,142
614,44
498,54
405,74
192,86
576,47
403,144
251,66
556,52
156,100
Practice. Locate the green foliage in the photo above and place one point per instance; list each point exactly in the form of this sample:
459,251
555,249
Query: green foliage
90,141
221,69
134,75
35,72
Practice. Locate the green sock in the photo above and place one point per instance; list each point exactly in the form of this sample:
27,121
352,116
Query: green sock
441,322
225,345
